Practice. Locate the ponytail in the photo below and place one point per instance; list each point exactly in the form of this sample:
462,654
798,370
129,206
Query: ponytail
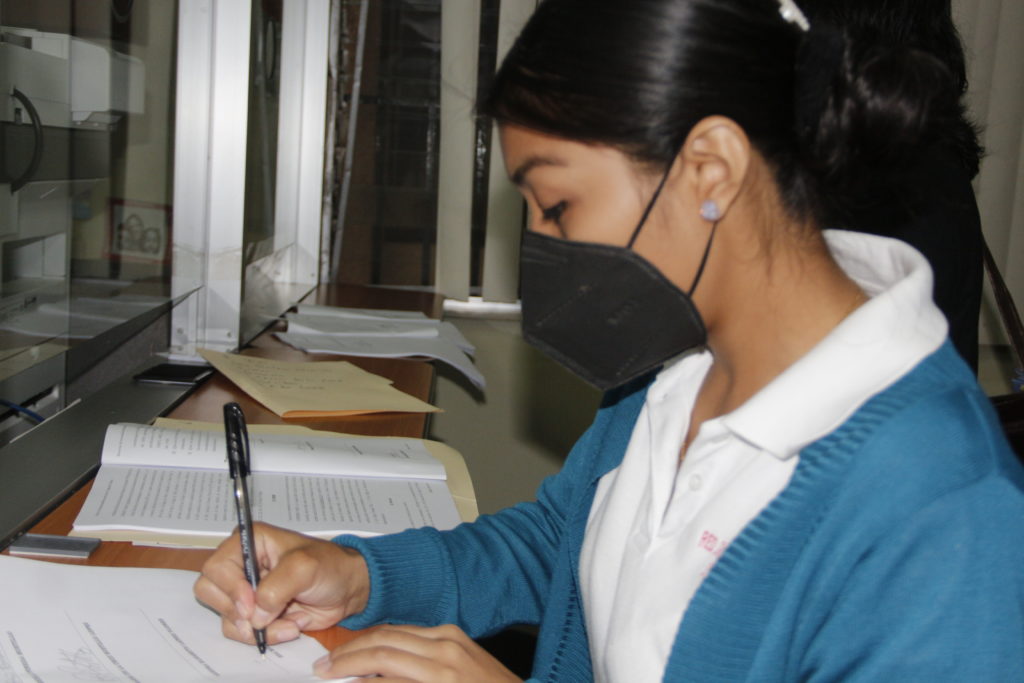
864,114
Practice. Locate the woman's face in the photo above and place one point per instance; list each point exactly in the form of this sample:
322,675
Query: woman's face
595,193
574,191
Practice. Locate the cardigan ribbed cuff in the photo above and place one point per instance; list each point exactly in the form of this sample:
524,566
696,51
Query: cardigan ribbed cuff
407,579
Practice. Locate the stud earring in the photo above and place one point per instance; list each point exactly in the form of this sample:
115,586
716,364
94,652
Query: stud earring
709,210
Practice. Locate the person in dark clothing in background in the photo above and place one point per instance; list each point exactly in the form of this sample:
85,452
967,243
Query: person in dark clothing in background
936,211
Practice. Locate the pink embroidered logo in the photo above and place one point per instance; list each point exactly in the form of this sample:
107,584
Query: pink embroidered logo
711,543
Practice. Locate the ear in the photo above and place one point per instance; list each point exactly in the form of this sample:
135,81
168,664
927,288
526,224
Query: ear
715,160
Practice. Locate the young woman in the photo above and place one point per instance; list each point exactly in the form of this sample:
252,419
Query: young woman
793,475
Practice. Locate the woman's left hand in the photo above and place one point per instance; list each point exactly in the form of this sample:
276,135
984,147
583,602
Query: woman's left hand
414,653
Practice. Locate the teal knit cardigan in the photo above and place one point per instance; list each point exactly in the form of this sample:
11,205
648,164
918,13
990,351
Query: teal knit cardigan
896,553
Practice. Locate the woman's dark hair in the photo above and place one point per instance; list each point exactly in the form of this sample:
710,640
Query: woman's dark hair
832,118
925,25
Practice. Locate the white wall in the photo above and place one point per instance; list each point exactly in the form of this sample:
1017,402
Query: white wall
991,31
524,426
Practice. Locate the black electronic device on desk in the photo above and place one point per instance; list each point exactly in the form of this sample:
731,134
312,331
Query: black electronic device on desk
49,545
180,374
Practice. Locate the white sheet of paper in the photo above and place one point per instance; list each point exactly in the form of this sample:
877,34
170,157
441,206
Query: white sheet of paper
63,623
354,327
302,323
387,347
360,313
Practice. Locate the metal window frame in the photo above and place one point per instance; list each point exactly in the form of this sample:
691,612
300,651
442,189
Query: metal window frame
209,169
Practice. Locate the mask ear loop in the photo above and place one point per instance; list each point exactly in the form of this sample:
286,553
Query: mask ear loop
647,212
703,260
650,206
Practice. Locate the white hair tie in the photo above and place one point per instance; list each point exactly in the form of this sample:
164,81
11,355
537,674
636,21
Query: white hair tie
792,13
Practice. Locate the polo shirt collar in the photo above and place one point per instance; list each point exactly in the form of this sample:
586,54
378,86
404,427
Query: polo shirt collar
867,352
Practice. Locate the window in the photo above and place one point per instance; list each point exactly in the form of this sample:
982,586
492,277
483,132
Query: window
415,201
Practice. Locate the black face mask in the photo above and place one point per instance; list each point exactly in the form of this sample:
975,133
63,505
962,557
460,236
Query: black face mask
603,311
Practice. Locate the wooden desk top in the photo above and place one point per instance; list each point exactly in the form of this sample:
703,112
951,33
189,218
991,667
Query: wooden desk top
206,403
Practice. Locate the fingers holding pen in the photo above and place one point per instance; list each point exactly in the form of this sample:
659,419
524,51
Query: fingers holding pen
321,579
306,583
222,587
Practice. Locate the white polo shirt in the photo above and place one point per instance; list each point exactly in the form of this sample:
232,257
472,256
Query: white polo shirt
656,528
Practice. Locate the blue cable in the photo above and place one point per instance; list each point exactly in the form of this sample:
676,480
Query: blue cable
31,414
1017,381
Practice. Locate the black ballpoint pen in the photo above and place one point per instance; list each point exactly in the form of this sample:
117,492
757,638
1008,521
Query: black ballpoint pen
238,465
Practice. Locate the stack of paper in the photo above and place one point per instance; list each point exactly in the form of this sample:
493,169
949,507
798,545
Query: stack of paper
165,485
460,484
294,390
380,334
76,623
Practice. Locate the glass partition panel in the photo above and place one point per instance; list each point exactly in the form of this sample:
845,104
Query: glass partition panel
284,157
86,140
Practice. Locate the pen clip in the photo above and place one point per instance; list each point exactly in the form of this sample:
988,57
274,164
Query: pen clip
237,437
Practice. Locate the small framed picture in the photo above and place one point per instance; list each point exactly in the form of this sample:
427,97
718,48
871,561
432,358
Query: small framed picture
139,231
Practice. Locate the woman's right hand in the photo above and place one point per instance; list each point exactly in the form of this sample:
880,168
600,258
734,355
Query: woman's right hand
306,583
